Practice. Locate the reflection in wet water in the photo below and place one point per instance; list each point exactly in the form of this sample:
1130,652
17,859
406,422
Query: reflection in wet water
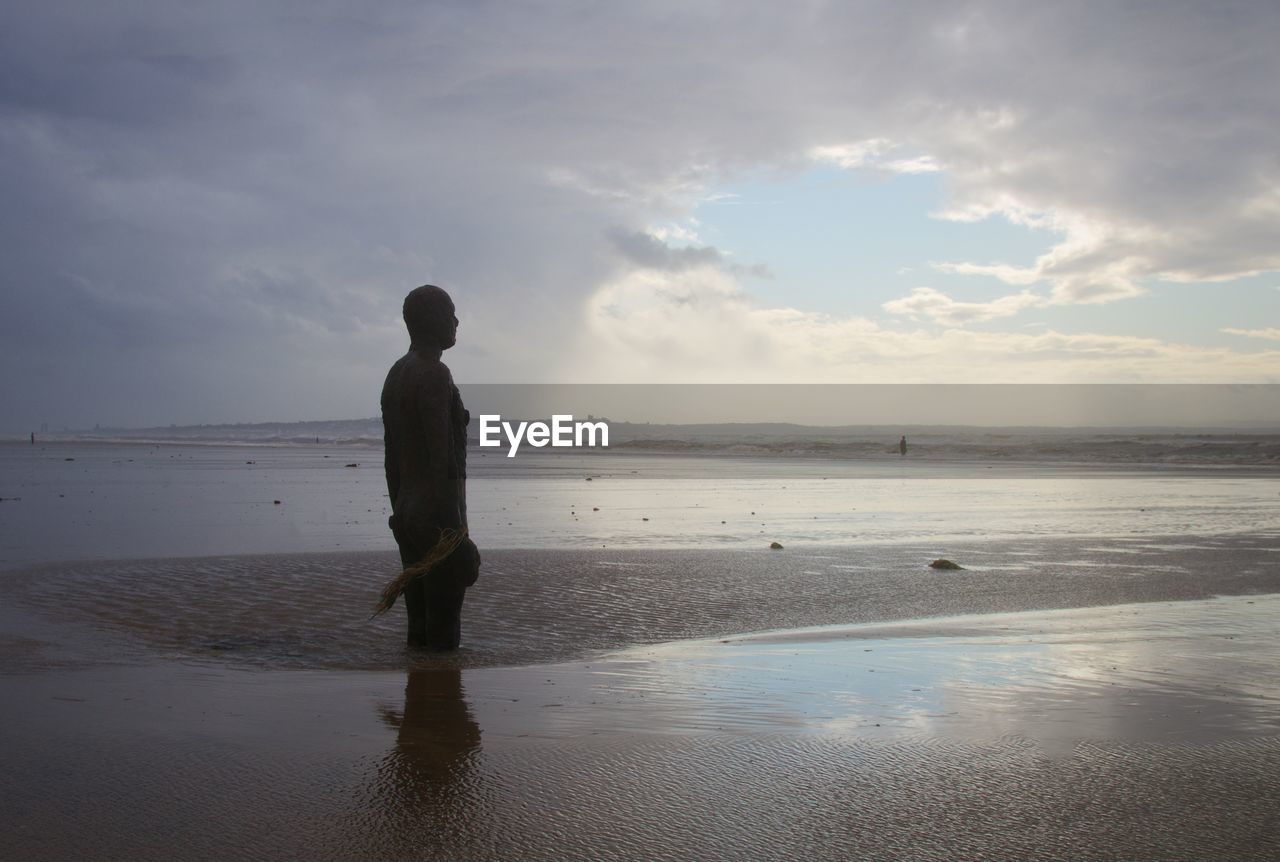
1185,672
1160,722
1062,735
1176,672
429,783
437,738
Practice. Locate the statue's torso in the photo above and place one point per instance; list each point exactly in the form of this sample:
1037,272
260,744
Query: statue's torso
418,438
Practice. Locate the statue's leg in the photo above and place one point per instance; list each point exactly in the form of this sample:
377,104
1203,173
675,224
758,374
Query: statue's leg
446,587
415,599
415,602
444,614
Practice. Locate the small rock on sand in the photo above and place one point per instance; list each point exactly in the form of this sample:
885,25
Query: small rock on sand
775,546
945,564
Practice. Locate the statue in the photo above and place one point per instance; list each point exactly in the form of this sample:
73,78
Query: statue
425,432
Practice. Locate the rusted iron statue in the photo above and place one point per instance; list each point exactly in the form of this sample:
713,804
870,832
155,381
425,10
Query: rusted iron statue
425,431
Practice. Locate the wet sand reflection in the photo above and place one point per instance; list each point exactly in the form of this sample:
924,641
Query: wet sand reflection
427,789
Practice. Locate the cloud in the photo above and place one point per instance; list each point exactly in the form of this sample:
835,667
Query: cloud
1271,334
1079,267
1002,271
647,251
687,232
940,308
859,154
916,165
1165,175
870,154
698,325
217,208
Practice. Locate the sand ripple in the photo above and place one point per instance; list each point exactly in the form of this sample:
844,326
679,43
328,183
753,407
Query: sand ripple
311,610
760,797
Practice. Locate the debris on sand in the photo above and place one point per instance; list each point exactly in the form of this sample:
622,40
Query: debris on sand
775,546
945,564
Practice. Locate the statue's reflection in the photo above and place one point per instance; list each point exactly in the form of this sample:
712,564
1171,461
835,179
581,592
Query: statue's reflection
432,771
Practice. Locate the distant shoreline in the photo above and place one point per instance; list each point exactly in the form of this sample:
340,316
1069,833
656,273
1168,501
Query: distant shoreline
1053,447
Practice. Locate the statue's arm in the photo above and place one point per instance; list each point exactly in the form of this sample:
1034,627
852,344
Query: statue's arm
391,462
435,406
390,455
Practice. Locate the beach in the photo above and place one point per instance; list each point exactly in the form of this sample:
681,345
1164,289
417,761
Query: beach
1070,693
784,431
92,500
615,708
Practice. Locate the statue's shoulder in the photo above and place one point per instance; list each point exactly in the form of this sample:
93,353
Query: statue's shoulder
434,373
396,376
420,377
415,377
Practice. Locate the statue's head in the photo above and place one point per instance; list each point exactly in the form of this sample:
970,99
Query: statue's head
429,314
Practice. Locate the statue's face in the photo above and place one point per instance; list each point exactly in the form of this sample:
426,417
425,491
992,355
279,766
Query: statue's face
444,323
448,330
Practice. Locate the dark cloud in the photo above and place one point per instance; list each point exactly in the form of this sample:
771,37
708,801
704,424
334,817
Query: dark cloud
217,208
647,251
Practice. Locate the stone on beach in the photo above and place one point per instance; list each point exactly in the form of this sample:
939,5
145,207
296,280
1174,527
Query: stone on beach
945,564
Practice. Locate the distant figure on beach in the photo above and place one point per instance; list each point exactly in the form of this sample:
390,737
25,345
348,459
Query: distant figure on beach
902,445
425,431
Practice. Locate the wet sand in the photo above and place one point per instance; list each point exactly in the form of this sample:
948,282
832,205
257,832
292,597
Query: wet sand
88,501
148,716
310,611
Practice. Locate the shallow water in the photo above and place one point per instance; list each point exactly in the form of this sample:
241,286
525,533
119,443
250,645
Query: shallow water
531,606
241,705
129,501
1141,731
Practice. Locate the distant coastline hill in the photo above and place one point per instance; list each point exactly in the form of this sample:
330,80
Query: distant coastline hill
331,431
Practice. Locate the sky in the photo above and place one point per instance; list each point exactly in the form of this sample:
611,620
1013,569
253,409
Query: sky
212,212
